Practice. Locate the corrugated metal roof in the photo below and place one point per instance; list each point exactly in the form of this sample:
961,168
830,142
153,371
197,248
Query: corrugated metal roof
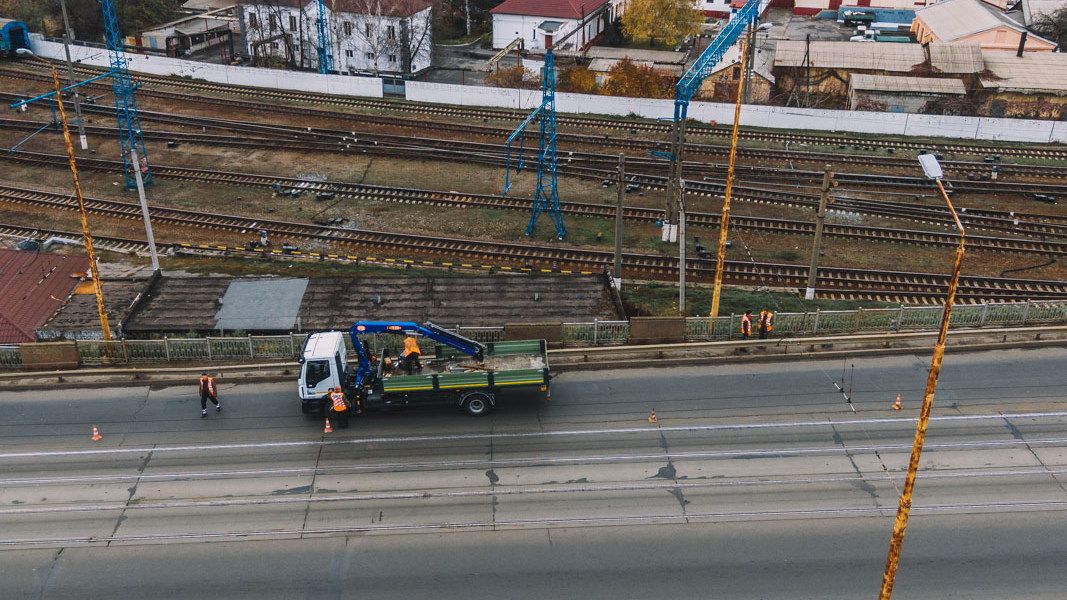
32,287
953,19
922,85
956,57
873,56
1031,72
261,304
565,9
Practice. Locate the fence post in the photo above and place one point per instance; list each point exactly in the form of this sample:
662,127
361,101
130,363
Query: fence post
166,347
208,340
596,327
125,352
985,314
292,345
251,351
1026,312
859,319
900,319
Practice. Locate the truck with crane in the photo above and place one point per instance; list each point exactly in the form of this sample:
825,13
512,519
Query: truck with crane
459,372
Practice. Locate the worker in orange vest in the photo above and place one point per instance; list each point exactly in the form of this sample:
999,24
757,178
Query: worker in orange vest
338,405
208,392
410,357
746,325
766,323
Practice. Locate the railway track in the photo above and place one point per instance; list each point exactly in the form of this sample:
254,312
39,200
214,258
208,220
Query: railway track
589,122
1044,227
891,286
26,196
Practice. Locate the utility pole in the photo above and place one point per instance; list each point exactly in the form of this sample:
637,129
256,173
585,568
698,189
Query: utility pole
674,185
824,199
750,46
67,36
681,248
467,12
144,209
621,185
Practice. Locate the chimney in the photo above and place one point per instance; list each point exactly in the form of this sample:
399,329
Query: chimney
1022,44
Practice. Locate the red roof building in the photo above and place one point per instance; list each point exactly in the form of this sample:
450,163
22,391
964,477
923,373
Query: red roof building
33,285
559,9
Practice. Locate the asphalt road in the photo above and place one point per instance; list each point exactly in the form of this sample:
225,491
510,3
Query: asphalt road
759,481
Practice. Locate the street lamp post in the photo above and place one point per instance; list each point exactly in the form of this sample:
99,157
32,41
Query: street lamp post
933,171
67,37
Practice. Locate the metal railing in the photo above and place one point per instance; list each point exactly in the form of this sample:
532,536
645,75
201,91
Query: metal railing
575,335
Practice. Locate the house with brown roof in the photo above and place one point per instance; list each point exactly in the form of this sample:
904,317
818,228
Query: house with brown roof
542,22
33,285
976,22
1031,86
366,36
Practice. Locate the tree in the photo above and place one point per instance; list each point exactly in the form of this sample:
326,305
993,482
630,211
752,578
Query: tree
391,43
1052,25
513,77
579,80
637,81
667,21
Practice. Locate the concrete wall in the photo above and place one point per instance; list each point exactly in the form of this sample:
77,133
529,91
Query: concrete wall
778,117
265,78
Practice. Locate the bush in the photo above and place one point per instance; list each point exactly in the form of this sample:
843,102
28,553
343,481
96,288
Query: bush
637,81
579,80
513,77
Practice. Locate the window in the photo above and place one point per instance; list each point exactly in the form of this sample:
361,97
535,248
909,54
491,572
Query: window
392,58
315,371
252,21
292,22
368,30
390,32
349,53
369,55
736,73
348,28
273,23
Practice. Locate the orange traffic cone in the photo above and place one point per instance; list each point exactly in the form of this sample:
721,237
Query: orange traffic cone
96,434
897,405
652,416
328,428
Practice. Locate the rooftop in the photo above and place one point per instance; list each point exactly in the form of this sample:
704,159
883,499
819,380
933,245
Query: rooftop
77,319
921,85
877,56
1031,72
32,286
955,19
562,9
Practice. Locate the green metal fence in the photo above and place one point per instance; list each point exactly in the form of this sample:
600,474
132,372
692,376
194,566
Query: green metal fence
594,333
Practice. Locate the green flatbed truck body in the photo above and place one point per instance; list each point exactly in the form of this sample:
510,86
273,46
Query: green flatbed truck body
507,366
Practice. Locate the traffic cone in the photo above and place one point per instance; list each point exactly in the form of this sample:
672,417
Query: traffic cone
897,405
652,416
328,428
96,434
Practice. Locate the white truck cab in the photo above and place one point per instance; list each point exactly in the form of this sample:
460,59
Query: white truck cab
324,365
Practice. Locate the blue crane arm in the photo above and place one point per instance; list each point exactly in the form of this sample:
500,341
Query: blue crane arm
690,82
454,340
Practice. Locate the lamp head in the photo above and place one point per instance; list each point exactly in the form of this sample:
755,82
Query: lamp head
930,166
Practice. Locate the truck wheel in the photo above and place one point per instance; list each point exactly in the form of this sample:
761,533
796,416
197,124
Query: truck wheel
477,403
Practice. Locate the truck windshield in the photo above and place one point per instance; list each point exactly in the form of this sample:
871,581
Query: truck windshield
315,371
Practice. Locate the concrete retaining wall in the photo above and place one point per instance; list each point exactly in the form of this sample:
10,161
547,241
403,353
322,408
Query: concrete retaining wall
247,76
552,333
49,355
657,330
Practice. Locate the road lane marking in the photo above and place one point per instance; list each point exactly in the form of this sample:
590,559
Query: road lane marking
529,435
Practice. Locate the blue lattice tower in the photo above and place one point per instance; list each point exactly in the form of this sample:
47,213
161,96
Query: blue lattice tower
546,196
129,119
325,58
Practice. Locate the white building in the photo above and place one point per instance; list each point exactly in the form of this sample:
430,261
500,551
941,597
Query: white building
540,22
366,36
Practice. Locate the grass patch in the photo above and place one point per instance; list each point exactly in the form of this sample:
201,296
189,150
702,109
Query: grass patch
659,299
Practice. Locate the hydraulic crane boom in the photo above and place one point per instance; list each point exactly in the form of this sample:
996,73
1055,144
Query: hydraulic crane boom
438,334
325,58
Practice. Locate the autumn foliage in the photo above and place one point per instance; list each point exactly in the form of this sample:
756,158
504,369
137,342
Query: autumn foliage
579,80
513,77
637,81
665,21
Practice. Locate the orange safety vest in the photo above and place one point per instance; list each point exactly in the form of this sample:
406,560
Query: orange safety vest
338,399
746,324
207,386
411,346
766,320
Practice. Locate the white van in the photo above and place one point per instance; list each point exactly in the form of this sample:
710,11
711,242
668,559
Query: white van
324,365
